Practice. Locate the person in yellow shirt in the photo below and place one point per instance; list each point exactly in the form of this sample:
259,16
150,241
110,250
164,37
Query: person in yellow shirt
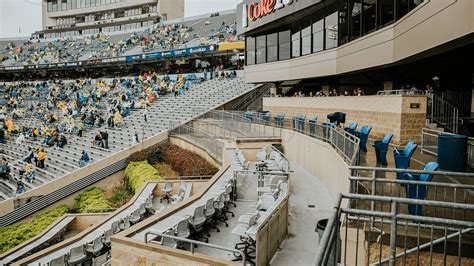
41,158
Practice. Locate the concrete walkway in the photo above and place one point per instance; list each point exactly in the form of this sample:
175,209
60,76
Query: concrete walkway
309,202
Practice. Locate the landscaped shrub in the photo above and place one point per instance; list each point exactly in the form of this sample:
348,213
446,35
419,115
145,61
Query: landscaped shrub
137,173
152,154
120,196
187,163
17,233
92,200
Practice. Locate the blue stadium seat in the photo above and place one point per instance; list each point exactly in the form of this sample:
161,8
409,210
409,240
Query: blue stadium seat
312,125
419,191
279,118
351,128
402,157
363,135
381,148
266,116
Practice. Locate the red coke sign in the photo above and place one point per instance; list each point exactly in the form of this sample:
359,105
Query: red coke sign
258,10
254,11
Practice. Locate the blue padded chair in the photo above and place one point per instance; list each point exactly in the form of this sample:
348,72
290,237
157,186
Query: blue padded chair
249,115
351,128
381,148
327,129
363,135
419,191
298,122
279,118
402,157
312,125
266,116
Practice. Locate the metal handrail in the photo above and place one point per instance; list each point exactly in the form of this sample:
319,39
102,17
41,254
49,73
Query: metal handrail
415,171
328,240
401,92
443,112
192,243
429,144
218,146
330,133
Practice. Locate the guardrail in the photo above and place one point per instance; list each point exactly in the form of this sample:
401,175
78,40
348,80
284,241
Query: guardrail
376,182
401,239
201,139
401,92
192,243
346,144
429,144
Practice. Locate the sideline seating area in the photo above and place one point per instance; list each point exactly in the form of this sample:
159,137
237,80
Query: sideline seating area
163,113
157,38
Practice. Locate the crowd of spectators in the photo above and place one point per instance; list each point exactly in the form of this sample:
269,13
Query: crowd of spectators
71,49
45,114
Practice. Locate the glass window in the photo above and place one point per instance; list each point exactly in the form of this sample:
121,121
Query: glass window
55,5
369,21
261,49
63,4
343,29
284,43
50,6
296,44
306,40
74,4
402,8
385,12
318,36
331,31
356,13
272,47
250,51
83,3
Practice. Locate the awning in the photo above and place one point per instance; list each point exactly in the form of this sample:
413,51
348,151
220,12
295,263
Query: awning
225,46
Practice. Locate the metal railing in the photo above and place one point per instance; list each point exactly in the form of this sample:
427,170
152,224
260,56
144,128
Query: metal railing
230,125
192,243
346,144
253,100
443,113
429,144
401,92
383,182
378,216
200,138
395,238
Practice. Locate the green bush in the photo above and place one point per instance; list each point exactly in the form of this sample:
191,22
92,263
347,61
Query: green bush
17,233
92,200
120,196
137,173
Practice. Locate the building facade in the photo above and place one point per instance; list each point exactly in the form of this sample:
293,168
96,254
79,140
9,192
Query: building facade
62,18
288,40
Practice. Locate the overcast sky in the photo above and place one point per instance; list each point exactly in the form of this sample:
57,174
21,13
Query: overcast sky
23,17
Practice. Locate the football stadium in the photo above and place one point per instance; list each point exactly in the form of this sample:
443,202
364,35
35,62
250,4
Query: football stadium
237,132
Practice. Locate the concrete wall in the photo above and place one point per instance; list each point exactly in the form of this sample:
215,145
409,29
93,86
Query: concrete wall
431,24
383,113
319,159
125,253
198,150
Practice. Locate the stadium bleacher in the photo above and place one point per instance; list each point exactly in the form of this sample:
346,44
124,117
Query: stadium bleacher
161,37
163,113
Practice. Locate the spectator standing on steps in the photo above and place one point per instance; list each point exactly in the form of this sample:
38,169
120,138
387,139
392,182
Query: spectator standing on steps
105,139
41,158
145,114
